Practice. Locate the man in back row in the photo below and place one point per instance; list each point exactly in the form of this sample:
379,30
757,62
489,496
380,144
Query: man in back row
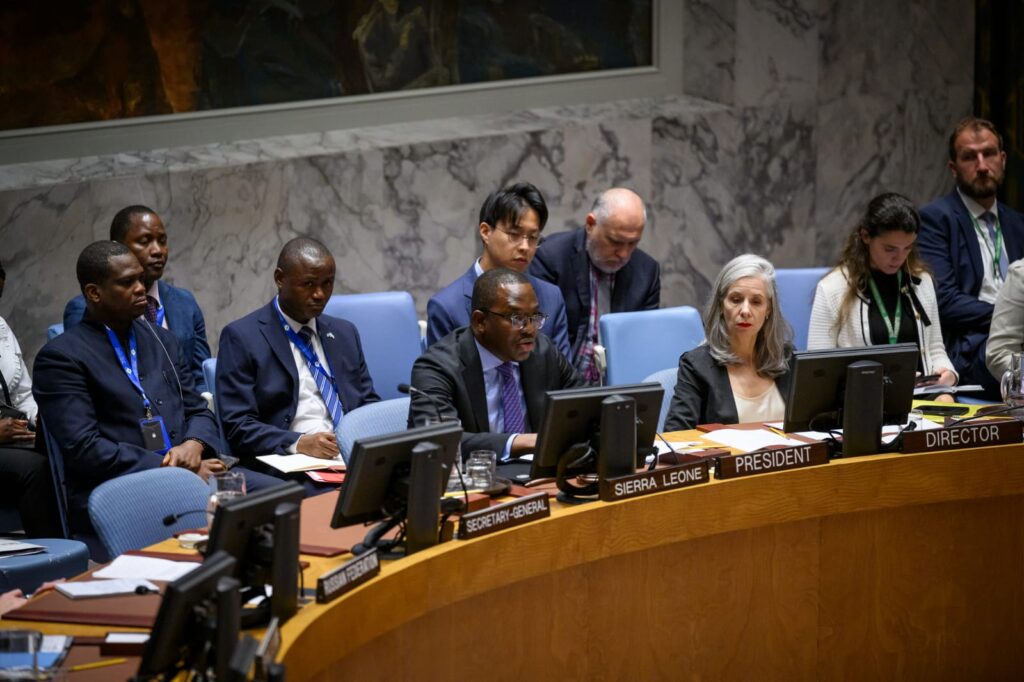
170,307
511,222
599,270
494,373
286,373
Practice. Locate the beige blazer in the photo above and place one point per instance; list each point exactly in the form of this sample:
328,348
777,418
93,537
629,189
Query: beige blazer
1006,335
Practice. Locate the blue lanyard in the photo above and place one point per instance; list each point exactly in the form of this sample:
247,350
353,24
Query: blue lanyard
132,370
307,352
160,315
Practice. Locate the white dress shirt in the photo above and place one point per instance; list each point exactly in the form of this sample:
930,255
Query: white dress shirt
12,365
992,281
311,415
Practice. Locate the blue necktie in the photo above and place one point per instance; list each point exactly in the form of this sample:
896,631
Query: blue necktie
990,223
323,382
510,405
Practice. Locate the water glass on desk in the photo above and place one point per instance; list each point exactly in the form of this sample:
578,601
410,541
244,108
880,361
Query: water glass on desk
224,486
480,469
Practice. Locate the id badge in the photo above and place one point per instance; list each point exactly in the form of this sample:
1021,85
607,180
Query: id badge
154,435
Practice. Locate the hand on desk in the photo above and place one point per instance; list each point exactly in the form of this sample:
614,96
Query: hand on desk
323,445
15,431
946,378
211,466
188,455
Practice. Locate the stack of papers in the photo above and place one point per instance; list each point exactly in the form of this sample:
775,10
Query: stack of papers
129,567
748,440
291,464
15,548
87,589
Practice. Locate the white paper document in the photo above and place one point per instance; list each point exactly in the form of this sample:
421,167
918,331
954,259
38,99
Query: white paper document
15,548
966,388
82,589
145,568
748,440
290,464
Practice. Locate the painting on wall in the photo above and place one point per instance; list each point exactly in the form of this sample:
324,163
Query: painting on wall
67,61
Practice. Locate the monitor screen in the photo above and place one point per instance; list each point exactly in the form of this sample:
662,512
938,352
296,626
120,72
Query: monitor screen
819,384
181,631
261,530
377,484
574,416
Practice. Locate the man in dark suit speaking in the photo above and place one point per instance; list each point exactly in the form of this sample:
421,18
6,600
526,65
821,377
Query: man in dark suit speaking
170,307
286,373
114,391
969,239
600,270
494,373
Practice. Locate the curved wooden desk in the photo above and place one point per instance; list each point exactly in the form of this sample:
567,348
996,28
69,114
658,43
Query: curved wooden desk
897,566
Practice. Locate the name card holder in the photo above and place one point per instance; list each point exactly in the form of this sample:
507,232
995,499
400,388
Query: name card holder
659,480
975,435
771,459
347,577
504,515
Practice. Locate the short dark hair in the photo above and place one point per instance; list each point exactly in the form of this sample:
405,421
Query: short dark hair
122,221
485,290
93,265
296,248
509,204
972,123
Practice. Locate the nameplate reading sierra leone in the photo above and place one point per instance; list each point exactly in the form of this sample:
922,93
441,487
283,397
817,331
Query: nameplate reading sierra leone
772,459
649,482
976,435
504,515
347,577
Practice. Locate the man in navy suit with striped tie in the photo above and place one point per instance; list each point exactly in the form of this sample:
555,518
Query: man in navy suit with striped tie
286,373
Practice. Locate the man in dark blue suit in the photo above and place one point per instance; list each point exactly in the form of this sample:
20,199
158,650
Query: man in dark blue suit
969,238
173,308
286,373
511,222
114,390
599,269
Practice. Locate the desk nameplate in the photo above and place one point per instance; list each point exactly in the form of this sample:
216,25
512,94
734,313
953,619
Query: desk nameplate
772,459
976,435
504,515
347,577
659,480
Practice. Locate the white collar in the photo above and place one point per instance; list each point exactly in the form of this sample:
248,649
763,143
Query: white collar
488,359
975,209
477,269
154,292
295,324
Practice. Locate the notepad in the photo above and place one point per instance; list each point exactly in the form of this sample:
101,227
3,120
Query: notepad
88,589
291,464
132,567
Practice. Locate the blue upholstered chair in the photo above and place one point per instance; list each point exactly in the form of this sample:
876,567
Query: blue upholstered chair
640,343
54,330
389,331
372,419
62,559
796,296
128,511
667,379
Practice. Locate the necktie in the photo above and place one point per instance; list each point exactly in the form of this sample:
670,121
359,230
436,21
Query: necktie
323,382
151,307
990,223
510,405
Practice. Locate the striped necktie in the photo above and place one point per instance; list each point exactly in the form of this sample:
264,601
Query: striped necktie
151,307
510,403
323,381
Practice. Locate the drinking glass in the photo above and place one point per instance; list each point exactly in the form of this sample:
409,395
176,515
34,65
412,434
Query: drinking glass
19,654
224,486
1012,385
480,468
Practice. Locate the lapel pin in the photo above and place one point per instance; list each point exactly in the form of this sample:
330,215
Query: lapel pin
330,335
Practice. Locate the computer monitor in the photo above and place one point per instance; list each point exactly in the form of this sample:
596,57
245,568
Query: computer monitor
197,624
398,477
261,530
819,387
574,416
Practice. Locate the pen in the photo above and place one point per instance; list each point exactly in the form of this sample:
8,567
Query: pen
776,431
96,664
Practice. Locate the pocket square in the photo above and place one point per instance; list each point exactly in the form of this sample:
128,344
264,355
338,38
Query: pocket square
330,335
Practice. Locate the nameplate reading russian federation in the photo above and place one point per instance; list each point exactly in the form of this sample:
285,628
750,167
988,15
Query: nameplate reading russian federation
976,435
347,577
504,515
650,482
772,459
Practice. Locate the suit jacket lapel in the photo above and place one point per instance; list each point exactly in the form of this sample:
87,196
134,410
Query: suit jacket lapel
473,377
581,265
621,288
173,314
468,280
969,236
270,326
1014,248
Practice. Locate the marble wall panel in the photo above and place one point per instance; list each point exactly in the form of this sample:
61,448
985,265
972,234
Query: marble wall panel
776,52
709,49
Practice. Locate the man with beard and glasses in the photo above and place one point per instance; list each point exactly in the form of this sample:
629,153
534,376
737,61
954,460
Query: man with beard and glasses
494,373
600,270
969,239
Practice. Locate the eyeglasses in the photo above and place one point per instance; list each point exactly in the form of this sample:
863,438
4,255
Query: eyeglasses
515,236
518,320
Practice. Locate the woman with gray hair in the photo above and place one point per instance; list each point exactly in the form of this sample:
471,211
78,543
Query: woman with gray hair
741,371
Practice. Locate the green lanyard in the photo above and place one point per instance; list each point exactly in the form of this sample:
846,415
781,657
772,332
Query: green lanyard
892,325
997,255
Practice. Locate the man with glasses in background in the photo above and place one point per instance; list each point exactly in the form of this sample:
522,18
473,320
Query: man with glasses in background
493,374
511,222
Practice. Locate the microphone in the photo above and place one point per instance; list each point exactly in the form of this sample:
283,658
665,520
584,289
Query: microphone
173,518
409,390
987,413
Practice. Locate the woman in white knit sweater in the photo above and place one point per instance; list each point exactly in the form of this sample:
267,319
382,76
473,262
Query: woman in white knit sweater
881,292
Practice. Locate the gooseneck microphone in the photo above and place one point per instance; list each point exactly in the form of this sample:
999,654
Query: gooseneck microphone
409,390
173,518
